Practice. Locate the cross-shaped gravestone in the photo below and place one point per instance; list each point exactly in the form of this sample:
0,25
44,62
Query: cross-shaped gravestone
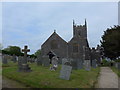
25,50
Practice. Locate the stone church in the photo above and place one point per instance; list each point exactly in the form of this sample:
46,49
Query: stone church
76,48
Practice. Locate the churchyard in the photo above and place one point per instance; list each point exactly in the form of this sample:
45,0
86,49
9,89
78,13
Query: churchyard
42,77
37,74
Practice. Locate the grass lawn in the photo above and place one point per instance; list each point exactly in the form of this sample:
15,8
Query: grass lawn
42,77
116,71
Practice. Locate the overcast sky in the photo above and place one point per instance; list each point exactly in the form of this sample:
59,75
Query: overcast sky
32,23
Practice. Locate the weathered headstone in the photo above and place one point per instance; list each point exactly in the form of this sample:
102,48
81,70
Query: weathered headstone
87,65
64,60
39,60
46,62
94,64
4,59
65,72
118,65
20,59
24,66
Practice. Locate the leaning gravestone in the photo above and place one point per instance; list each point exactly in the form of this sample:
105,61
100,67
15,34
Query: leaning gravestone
4,59
46,62
79,64
65,71
87,65
39,60
94,63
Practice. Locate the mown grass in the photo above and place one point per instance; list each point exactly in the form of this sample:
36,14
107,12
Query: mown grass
116,71
42,77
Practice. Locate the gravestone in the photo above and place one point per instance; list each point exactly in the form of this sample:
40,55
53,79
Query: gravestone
24,66
14,59
46,62
59,60
94,64
20,59
4,59
64,60
79,64
87,65
65,71
118,65
39,60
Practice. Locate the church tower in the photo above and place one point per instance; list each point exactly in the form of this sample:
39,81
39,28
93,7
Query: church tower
80,30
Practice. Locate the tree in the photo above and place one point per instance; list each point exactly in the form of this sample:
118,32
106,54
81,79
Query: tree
111,42
38,52
12,50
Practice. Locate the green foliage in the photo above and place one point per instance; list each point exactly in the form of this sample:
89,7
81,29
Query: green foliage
32,56
116,71
42,77
111,42
12,50
118,60
38,52
105,63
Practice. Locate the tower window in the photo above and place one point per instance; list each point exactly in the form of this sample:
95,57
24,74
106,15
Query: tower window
75,48
54,44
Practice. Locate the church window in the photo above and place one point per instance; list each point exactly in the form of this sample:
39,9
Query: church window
54,44
75,48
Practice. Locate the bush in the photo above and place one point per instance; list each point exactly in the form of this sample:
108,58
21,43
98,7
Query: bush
118,60
105,62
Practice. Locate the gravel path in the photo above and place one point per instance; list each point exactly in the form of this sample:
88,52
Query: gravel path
107,78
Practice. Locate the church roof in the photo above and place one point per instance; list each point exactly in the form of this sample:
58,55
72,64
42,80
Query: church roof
54,34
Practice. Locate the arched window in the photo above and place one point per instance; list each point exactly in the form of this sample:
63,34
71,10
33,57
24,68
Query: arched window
75,48
54,44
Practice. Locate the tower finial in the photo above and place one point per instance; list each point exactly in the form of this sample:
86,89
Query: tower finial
54,30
